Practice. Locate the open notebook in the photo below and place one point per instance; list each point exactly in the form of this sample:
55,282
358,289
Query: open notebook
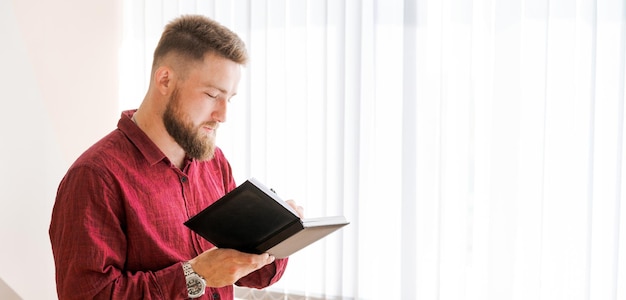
253,219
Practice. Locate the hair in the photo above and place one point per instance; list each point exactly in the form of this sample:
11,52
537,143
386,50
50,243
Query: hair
190,37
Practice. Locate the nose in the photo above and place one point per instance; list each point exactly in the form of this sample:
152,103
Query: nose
220,110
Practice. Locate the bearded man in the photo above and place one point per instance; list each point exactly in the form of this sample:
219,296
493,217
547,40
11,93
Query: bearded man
117,227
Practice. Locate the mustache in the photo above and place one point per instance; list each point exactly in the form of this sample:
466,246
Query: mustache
213,125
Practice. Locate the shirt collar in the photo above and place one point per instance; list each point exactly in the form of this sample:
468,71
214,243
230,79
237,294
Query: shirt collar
148,149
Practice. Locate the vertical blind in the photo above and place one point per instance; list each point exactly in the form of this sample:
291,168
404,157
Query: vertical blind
476,146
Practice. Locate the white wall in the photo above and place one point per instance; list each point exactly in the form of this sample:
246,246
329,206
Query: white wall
58,89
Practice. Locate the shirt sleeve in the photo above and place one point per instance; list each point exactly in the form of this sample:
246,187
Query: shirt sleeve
89,245
265,276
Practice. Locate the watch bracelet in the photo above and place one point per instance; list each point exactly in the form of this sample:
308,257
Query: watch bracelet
188,270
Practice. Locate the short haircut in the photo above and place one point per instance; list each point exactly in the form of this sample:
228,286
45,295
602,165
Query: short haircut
190,37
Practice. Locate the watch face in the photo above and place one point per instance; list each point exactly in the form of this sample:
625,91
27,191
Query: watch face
195,285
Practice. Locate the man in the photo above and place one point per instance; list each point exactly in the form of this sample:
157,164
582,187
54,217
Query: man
117,227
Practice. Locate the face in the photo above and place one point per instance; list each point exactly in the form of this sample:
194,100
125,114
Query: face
198,105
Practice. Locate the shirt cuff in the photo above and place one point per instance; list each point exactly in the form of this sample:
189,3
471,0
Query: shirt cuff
171,282
265,276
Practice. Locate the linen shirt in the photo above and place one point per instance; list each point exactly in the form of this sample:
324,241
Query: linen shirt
117,227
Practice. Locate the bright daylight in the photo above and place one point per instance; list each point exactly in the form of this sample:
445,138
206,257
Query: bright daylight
402,149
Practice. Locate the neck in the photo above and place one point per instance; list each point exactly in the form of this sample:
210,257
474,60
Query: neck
152,125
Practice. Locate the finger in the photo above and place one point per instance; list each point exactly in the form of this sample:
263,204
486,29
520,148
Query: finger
266,259
299,209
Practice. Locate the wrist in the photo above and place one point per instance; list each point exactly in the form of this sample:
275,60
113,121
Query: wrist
196,285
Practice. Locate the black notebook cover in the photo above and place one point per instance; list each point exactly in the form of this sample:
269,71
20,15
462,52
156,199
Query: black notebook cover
253,219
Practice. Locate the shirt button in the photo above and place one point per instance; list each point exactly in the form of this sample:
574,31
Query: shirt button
183,179
216,296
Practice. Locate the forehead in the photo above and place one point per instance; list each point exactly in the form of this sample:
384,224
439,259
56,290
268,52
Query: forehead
215,71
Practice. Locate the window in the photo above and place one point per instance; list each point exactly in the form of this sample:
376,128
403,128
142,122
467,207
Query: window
475,146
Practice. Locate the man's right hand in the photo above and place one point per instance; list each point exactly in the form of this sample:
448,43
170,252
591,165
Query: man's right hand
222,267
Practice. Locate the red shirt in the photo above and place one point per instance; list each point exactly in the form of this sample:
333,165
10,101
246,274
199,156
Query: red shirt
117,227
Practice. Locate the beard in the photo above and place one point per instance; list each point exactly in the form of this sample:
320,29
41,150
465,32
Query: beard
196,143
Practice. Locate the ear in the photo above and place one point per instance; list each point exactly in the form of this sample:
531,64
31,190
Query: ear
163,77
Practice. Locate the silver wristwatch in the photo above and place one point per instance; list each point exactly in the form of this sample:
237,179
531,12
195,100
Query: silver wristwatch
196,286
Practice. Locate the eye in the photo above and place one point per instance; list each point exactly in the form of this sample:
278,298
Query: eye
213,96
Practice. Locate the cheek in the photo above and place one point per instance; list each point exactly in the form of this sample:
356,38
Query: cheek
199,111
